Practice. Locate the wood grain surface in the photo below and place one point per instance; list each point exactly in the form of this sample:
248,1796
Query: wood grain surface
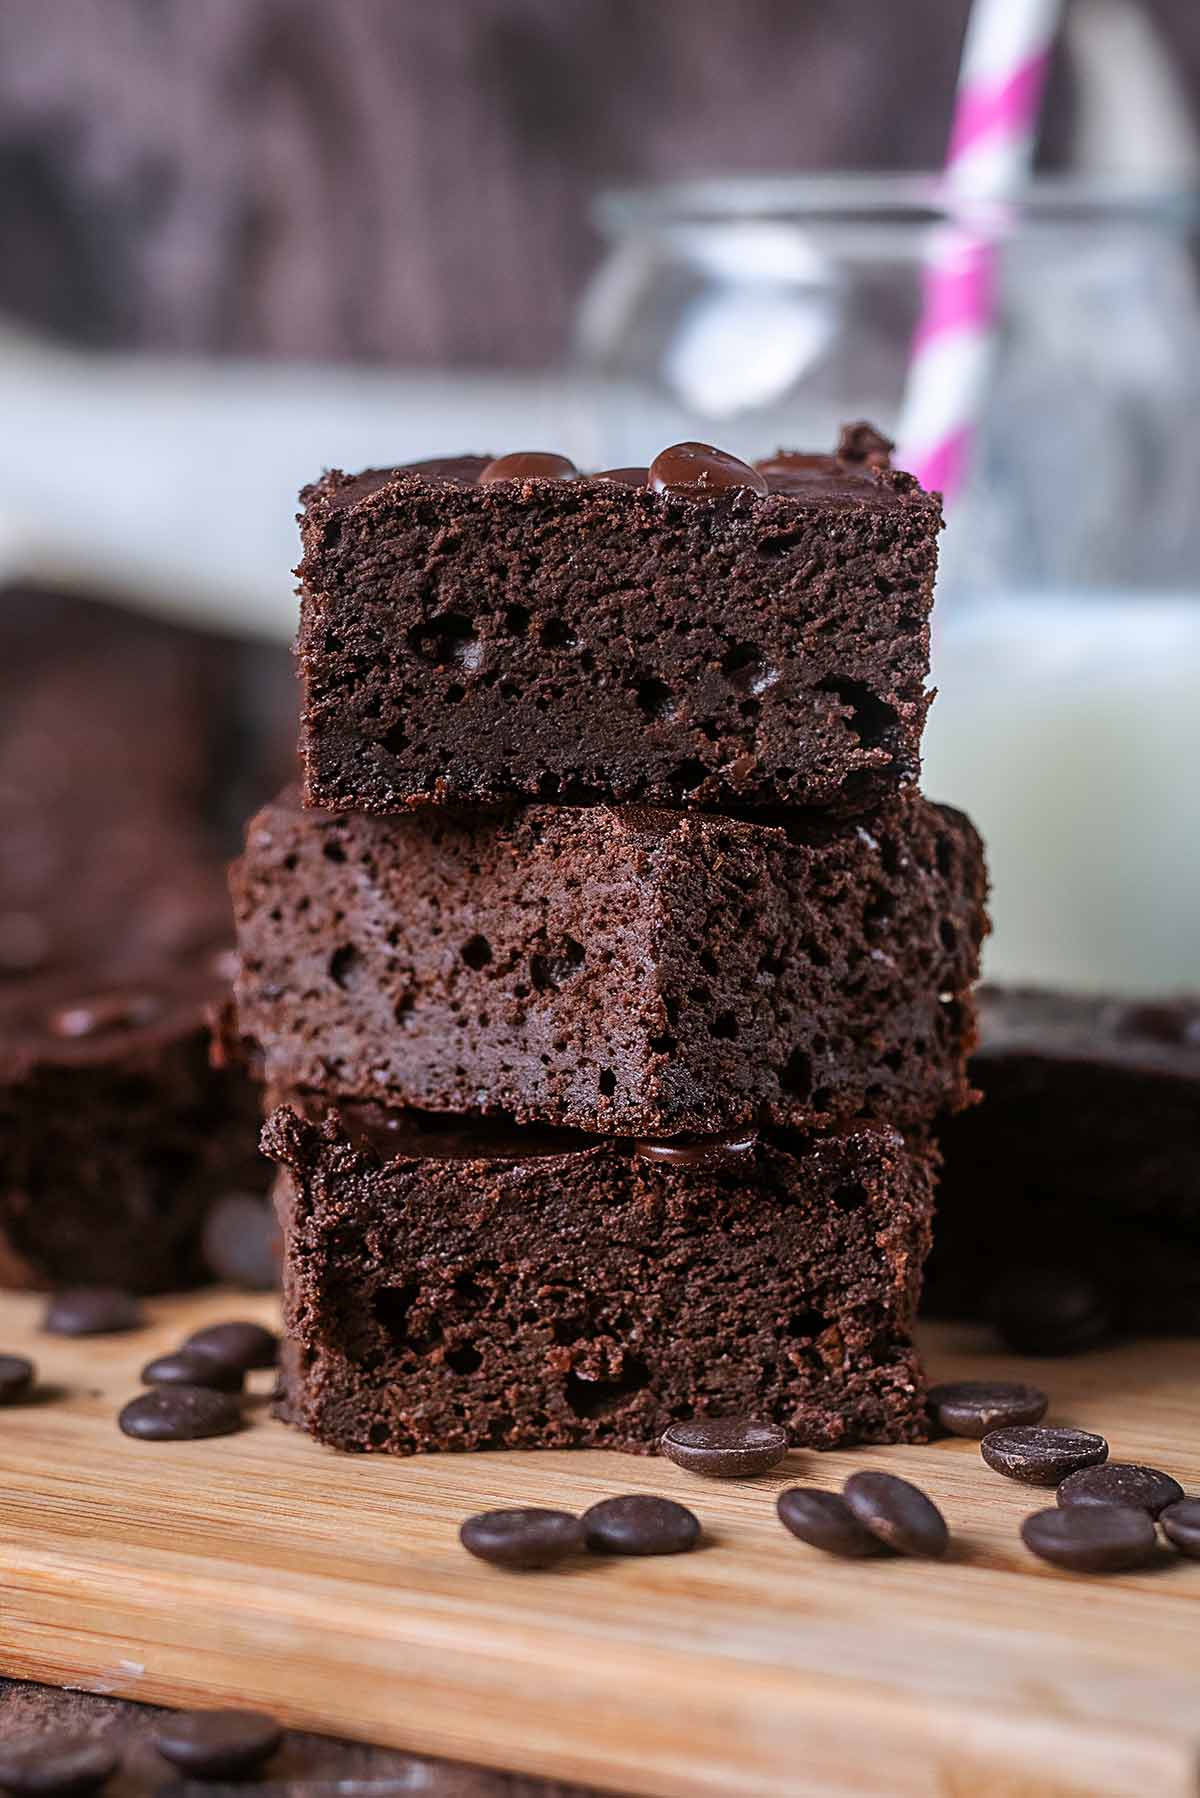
261,1569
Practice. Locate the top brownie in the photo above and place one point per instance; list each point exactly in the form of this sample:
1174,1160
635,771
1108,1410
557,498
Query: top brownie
699,633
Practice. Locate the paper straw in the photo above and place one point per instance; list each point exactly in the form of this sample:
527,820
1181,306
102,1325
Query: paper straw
1003,72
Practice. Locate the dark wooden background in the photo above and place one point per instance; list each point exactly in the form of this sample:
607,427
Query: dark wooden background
410,179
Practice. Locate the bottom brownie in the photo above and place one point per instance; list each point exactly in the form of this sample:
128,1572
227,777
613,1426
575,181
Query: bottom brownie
1084,1157
116,1135
481,1286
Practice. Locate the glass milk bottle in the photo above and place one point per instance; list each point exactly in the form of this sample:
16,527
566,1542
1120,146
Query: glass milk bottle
1067,628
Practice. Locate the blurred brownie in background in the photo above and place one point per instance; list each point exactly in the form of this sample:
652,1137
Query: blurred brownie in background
1084,1158
130,751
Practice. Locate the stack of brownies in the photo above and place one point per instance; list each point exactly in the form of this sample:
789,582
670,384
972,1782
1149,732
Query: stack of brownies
610,975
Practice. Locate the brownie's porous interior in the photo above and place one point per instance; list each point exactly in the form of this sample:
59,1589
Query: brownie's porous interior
619,969
593,1294
587,639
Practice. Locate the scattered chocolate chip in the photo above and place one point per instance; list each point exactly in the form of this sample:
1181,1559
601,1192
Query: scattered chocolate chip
241,1242
1091,1538
1045,1311
640,1524
1121,1483
725,1448
218,1744
56,1766
242,1345
522,1539
16,1378
693,469
825,1520
179,1414
528,465
975,1407
898,1513
1037,1455
184,1368
92,1311
110,1011
625,477
697,1151
1181,1526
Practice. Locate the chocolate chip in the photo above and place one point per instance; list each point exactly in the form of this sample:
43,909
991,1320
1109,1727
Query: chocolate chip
697,1151
241,1242
240,1344
640,1524
975,1407
109,1011
92,1311
184,1368
1040,1456
528,465
56,1766
179,1414
694,469
1181,1525
824,1520
725,1448
522,1539
1045,1311
1121,1483
16,1378
218,1744
1092,1538
625,477
898,1513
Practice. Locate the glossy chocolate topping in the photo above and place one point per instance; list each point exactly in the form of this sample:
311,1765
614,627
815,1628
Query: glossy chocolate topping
697,1151
625,477
699,468
529,465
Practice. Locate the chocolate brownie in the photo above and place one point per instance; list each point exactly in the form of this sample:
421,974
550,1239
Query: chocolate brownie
451,1286
116,1135
616,969
704,633
1084,1156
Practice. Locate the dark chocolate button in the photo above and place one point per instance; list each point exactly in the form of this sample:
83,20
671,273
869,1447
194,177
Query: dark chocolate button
640,1524
898,1513
975,1407
1091,1539
16,1378
240,1344
825,1520
1121,1483
110,1011
179,1414
625,477
92,1311
522,1539
1046,1311
184,1369
1181,1525
696,1151
56,1766
241,1242
1038,1455
528,465
725,1448
218,1744
694,469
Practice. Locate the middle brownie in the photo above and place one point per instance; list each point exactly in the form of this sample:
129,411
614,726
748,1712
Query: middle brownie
622,970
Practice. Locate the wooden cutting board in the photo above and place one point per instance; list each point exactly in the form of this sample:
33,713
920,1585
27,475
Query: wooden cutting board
260,1569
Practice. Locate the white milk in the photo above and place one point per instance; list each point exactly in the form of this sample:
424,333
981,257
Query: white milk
1070,730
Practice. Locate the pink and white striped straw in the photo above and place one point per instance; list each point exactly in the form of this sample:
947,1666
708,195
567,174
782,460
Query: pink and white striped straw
1005,58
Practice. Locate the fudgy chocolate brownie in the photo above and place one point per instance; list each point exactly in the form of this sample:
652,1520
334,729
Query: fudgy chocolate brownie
485,1286
116,1135
616,969
701,633
1084,1156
